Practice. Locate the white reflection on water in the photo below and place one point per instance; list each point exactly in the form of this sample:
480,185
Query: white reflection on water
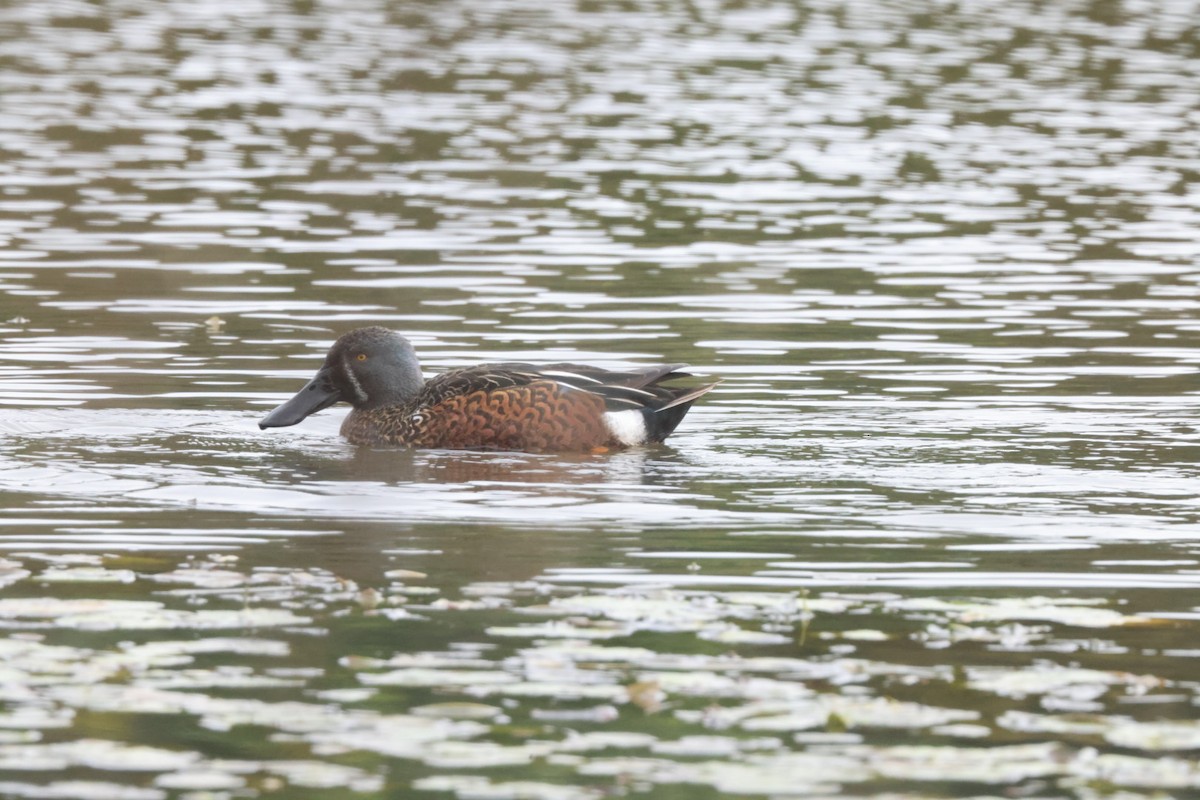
804,472
892,579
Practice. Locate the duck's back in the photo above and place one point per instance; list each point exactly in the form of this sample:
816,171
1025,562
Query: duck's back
557,407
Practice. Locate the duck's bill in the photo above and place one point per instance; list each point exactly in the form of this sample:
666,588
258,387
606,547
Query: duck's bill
316,395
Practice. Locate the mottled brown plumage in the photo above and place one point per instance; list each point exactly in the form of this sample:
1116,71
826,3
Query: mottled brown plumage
538,417
556,407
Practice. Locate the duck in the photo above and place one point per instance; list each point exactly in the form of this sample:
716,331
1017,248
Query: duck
502,406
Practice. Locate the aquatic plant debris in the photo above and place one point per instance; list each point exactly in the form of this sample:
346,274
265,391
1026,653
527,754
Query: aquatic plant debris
756,716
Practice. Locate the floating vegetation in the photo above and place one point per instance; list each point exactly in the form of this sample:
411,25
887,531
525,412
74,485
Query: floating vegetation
752,720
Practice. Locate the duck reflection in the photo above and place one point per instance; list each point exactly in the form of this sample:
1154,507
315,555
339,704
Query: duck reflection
469,516
479,468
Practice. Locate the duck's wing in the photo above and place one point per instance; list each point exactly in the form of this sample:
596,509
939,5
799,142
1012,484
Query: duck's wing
552,407
638,406
636,388
469,380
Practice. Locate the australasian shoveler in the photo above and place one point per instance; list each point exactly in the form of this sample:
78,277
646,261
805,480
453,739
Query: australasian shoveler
505,406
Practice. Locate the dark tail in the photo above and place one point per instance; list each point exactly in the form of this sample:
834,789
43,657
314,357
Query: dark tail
663,419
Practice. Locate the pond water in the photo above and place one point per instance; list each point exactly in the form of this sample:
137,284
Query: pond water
936,534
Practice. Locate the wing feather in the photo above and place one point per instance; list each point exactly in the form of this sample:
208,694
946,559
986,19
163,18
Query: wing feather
621,390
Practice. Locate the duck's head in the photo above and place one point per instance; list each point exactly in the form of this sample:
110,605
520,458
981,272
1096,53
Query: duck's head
367,368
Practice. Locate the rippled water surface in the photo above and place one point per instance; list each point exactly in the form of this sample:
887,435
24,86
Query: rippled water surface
937,533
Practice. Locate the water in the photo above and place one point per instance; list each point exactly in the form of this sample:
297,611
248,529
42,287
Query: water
935,534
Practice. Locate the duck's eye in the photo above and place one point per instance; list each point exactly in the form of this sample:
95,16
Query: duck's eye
361,356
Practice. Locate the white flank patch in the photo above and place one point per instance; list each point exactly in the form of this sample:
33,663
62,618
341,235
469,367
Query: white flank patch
629,427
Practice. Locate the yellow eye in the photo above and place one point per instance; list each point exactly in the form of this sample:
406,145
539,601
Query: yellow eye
362,356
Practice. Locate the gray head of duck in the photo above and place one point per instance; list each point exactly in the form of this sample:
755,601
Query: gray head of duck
367,368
